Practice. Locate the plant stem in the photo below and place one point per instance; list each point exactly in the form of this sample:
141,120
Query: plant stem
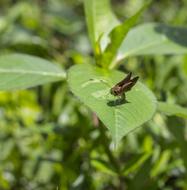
113,160
111,157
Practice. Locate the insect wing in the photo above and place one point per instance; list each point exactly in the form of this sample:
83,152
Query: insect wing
127,86
125,80
134,80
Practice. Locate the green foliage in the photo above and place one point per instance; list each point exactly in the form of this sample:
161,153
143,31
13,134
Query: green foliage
172,109
117,35
51,140
162,39
92,85
100,20
117,119
18,71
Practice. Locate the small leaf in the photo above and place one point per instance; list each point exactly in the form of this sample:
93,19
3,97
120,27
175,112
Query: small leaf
117,36
162,164
92,85
172,109
18,71
155,39
100,20
103,166
134,164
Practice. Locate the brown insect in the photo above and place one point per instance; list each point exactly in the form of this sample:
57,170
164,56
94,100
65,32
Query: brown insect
124,86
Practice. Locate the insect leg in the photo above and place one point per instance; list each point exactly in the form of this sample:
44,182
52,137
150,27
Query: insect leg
123,96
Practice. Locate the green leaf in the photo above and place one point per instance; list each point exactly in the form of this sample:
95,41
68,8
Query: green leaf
142,176
156,39
162,163
92,85
100,20
172,109
177,127
136,163
103,166
117,36
18,71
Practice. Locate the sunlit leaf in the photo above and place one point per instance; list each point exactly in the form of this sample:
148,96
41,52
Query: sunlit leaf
18,71
92,85
100,20
103,167
117,36
161,164
155,39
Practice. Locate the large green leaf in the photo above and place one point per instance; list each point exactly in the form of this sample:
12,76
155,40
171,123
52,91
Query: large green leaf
92,84
152,38
172,109
117,36
100,20
18,71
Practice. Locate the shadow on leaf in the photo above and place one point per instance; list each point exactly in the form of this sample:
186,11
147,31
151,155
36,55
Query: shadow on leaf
117,102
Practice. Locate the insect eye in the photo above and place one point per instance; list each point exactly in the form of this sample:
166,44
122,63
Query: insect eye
115,92
112,91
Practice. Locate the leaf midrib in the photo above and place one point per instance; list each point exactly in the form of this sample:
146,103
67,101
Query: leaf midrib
43,73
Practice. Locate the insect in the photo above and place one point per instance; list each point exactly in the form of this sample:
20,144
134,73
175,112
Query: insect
124,86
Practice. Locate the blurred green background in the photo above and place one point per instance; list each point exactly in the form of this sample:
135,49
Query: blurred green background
49,140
